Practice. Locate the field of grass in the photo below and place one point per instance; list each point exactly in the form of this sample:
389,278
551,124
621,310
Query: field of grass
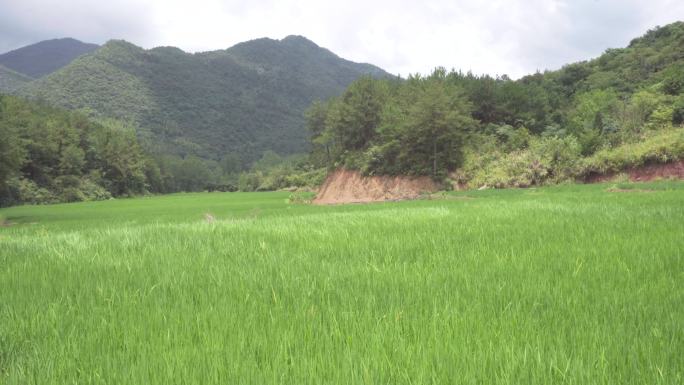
563,285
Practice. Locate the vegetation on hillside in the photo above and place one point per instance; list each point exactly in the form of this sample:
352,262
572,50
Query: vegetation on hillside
10,81
542,128
236,102
50,155
416,127
621,110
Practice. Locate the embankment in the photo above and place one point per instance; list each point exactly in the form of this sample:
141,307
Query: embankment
645,173
346,186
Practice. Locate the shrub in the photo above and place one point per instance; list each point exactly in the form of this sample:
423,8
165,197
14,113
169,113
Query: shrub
660,147
27,191
548,159
561,155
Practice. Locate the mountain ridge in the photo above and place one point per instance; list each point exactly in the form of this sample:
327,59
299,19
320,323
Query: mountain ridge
42,58
245,99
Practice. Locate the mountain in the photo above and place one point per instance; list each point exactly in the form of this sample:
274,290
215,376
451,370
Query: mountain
10,81
45,57
243,100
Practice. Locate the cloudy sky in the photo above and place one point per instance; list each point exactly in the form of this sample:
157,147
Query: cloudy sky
514,37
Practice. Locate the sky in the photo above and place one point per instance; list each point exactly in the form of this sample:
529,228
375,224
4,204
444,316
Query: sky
513,37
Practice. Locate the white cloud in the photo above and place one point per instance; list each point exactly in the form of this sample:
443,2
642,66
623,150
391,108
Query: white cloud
496,37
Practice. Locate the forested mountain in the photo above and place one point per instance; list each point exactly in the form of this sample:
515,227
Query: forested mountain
236,102
11,81
189,122
45,57
622,109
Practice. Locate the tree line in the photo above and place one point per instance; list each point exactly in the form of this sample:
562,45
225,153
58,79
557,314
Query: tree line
619,110
50,155
449,120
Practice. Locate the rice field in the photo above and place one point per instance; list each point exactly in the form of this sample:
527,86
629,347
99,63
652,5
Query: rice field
577,284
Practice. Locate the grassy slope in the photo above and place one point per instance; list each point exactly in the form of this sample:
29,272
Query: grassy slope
567,284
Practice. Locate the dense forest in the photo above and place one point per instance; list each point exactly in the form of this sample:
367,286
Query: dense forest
237,102
50,155
11,80
619,110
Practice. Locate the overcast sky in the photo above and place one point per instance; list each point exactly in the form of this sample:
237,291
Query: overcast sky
513,37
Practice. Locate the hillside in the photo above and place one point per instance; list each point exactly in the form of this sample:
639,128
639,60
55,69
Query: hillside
11,81
621,110
244,100
45,57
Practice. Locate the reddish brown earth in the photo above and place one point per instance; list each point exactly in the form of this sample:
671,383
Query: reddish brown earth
644,173
345,186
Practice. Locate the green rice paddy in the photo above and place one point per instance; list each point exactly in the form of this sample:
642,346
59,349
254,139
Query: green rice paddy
579,284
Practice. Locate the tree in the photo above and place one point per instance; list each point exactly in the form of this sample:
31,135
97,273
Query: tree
121,158
436,126
231,163
361,107
71,160
316,119
12,155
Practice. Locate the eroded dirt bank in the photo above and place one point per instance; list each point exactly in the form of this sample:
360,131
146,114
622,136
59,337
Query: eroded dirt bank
643,173
345,186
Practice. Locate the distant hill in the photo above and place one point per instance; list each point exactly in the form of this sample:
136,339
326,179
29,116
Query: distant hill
10,81
243,100
45,57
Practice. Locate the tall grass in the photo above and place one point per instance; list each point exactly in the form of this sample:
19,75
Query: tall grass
559,285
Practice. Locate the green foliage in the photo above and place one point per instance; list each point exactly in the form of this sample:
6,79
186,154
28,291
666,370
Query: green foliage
22,190
678,112
243,100
274,172
49,155
519,133
10,81
298,197
553,159
12,152
509,137
384,127
547,160
659,147
673,80
121,158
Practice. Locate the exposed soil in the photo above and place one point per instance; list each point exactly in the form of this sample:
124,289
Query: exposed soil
345,186
644,173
